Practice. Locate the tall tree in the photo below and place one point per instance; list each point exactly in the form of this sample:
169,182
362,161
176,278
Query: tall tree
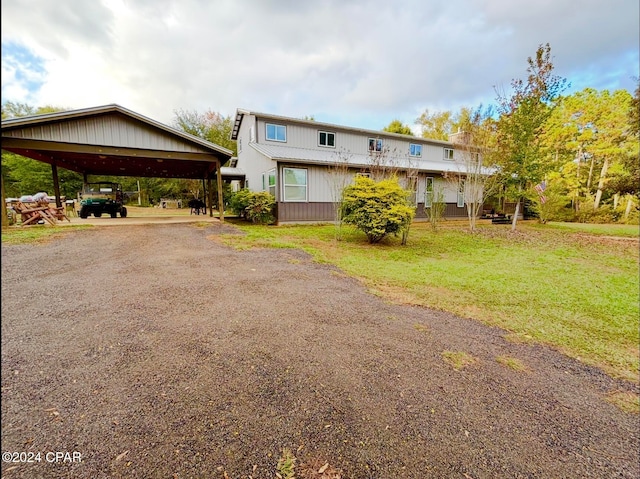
436,125
396,126
210,126
521,117
441,125
476,160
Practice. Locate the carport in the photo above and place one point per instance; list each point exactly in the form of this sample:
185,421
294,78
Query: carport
113,141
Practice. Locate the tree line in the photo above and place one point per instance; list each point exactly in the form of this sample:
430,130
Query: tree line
573,157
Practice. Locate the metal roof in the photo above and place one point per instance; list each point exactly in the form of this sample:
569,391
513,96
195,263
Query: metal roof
322,157
240,113
113,141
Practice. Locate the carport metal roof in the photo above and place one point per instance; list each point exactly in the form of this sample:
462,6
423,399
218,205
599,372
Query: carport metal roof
111,140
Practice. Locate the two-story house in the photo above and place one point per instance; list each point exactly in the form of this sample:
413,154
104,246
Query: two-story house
296,160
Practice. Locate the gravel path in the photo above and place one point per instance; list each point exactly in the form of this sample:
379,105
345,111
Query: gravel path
156,352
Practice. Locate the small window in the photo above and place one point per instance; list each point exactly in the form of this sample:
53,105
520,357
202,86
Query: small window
364,173
276,132
375,144
327,139
428,193
415,150
448,153
295,184
252,135
461,194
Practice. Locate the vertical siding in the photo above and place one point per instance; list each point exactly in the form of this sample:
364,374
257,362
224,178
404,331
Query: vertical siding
114,130
306,136
253,164
305,212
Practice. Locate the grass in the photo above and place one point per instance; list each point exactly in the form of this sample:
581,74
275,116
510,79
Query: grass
37,233
550,284
625,400
458,359
511,363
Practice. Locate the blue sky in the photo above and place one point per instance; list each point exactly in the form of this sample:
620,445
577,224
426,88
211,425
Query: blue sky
359,63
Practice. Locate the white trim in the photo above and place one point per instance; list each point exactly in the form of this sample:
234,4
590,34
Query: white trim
327,133
277,128
284,185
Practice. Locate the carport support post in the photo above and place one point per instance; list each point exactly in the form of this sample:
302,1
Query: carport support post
220,195
56,184
5,214
209,196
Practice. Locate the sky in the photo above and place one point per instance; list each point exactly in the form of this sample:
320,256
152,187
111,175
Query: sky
358,63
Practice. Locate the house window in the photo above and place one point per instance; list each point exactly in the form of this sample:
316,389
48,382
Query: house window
295,184
448,153
428,192
272,182
252,135
276,132
240,145
461,194
327,139
415,150
375,144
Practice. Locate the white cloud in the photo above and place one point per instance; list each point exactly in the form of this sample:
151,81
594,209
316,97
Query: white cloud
356,62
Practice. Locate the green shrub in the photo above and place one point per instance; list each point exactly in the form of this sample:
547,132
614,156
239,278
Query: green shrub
239,202
255,207
377,208
260,208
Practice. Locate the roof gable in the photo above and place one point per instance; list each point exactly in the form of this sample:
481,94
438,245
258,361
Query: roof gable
110,126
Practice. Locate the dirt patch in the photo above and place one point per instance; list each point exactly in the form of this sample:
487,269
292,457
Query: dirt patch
152,351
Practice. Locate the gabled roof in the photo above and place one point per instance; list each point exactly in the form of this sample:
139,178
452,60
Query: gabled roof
111,140
240,113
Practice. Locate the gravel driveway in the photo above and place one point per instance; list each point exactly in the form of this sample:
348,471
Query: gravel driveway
153,351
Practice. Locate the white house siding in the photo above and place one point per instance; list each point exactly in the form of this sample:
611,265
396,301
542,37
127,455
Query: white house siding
348,143
306,136
254,164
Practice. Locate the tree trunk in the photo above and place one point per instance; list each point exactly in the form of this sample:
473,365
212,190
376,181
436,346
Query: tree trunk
593,160
603,174
627,210
515,216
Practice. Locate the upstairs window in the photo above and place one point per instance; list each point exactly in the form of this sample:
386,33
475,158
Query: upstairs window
276,132
375,144
327,139
415,150
448,153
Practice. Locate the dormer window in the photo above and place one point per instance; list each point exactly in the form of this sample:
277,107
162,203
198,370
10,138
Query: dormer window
326,138
276,132
375,144
448,153
415,150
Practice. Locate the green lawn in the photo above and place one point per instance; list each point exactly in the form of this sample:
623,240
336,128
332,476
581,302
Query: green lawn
573,288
